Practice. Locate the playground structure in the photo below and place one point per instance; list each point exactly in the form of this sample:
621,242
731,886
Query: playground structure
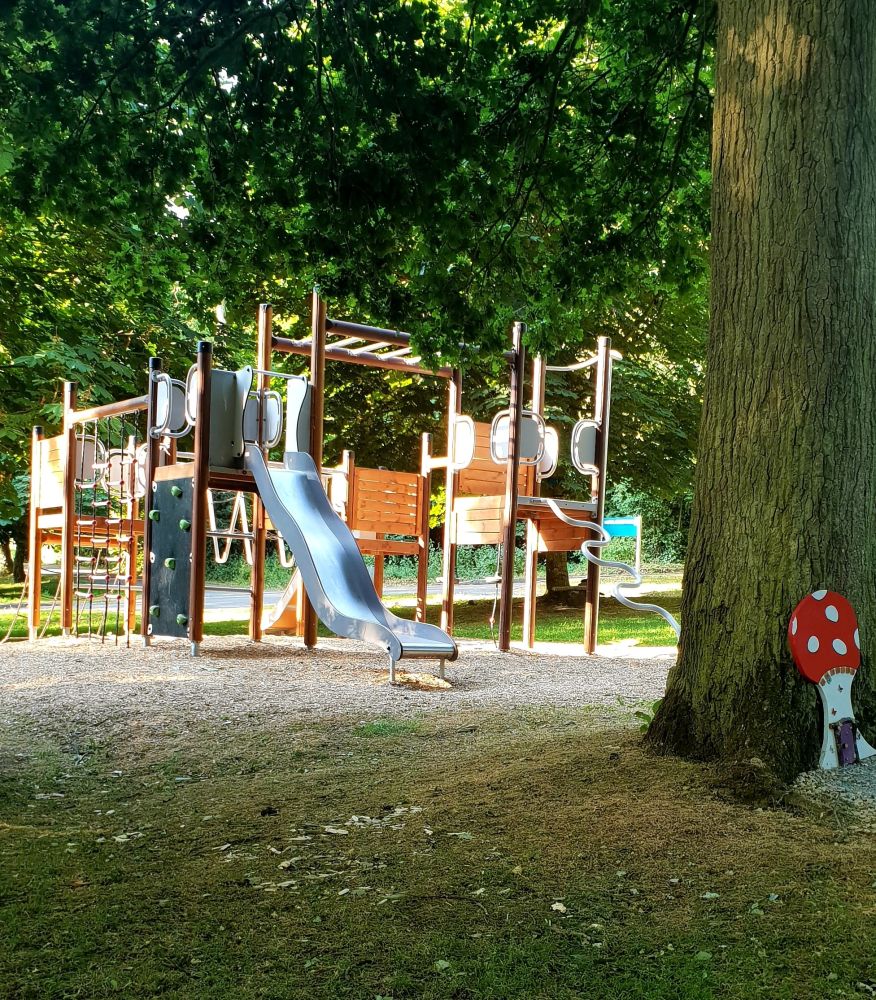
158,506
495,472
106,489
234,429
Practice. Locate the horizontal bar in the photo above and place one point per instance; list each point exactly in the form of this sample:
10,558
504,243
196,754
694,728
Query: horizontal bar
581,365
370,333
287,346
117,409
272,374
369,347
346,342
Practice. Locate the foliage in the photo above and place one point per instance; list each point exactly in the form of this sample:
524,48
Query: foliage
665,522
444,167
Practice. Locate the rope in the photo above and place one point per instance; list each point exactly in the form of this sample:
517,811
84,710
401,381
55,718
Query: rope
17,613
497,580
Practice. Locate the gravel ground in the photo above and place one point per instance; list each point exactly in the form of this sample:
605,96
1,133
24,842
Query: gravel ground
73,682
847,791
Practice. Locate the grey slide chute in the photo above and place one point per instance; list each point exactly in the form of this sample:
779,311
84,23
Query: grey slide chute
334,573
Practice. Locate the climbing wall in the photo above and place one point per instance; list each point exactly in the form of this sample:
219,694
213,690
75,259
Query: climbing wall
171,517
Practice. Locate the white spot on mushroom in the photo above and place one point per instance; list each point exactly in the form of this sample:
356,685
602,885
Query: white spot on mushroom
857,639
793,626
813,644
839,646
819,595
831,613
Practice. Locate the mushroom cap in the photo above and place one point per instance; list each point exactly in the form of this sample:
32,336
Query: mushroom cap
823,635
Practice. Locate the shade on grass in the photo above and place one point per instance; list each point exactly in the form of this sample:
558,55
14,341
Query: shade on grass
555,624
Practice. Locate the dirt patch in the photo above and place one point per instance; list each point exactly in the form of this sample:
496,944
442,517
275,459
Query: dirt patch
106,685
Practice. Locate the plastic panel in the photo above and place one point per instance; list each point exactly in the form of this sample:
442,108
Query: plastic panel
584,447
273,426
548,464
464,440
531,438
298,394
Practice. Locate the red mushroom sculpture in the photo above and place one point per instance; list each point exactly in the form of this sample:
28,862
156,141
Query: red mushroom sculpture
826,646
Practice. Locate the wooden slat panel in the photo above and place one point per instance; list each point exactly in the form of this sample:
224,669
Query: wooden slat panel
555,535
464,537
489,506
51,472
382,478
390,525
400,498
386,501
483,475
386,547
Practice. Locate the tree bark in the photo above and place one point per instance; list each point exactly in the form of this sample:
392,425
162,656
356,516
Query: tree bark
19,558
6,552
785,498
556,571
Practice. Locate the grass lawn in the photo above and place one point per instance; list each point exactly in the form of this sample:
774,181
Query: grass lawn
539,855
556,623
10,592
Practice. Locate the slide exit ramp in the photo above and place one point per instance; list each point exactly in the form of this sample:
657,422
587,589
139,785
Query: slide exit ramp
335,576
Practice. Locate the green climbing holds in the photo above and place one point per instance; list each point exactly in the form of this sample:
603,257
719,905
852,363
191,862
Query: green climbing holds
154,515
184,524
154,610
182,620
170,563
175,491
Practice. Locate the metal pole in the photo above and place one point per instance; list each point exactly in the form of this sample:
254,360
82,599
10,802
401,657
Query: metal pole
68,510
35,538
530,587
601,413
423,526
152,448
200,483
454,408
509,514
257,570
317,378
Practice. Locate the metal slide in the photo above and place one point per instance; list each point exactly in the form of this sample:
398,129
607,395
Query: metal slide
335,575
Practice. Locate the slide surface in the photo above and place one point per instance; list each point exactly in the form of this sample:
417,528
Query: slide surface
335,575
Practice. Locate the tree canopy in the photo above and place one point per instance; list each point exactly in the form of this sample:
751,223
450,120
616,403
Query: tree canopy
439,166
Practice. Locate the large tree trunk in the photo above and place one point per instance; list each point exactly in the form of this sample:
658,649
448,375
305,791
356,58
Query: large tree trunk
785,487
19,558
6,552
556,572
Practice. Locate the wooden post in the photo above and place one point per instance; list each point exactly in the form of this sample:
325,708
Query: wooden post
423,527
509,513
133,512
152,449
530,587
601,413
348,467
317,378
454,407
200,482
259,529
35,538
68,517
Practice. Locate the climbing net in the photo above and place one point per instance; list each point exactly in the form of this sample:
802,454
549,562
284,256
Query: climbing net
107,524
